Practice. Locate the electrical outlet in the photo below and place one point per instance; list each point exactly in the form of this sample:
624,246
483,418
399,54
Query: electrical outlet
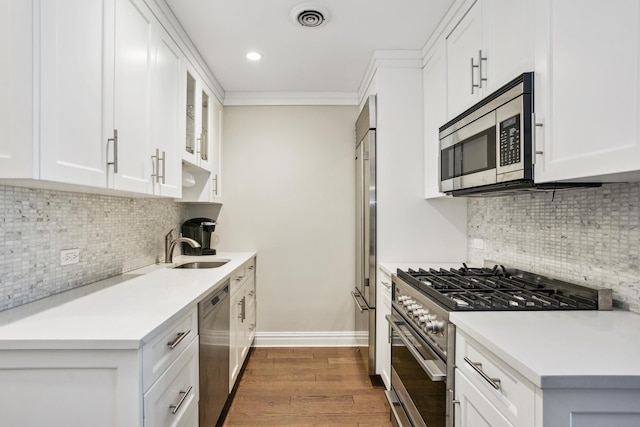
478,244
69,256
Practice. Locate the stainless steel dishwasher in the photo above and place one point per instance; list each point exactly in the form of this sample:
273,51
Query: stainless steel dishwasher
213,327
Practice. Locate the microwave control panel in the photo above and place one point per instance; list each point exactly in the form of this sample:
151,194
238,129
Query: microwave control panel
510,141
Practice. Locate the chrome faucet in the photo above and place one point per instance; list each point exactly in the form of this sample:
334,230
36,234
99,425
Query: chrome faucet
170,244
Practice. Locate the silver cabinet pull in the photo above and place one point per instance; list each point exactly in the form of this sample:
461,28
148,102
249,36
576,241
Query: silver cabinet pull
115,151
181,335
215,188
452,406
536,125
242,304
494,382
155,166
175,408
473,85
164,167
239,278
480,59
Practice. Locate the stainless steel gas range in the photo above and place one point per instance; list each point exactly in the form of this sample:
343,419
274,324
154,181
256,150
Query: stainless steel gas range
423,340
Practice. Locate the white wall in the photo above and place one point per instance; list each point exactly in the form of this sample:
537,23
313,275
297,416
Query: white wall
289,195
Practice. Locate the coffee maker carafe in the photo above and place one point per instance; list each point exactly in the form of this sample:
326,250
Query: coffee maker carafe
200,230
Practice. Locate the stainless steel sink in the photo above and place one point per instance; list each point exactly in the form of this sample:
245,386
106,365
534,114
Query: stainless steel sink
202,264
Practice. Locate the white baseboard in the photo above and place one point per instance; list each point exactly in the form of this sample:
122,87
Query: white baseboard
311,339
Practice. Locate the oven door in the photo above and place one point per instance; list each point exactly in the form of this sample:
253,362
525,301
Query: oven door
418,378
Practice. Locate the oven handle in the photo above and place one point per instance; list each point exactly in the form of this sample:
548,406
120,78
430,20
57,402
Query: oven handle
435,374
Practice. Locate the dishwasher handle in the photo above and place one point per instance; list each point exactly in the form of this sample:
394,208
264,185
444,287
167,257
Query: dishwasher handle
211,302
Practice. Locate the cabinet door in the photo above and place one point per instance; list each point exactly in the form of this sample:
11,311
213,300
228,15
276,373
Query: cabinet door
434,76
203,144
16,87
134,50
76,42
474,409
189,146
507,44
234,342
587,82
166,117
216,152
463,47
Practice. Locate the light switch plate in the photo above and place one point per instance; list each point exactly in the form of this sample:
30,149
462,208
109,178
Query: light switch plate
69,256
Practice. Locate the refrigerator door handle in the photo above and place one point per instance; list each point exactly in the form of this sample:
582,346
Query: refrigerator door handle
361,307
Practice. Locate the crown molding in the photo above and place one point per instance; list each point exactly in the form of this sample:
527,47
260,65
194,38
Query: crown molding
290,98
388,59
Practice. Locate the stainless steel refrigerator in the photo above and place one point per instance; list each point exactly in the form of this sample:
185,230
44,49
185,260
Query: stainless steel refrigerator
364,293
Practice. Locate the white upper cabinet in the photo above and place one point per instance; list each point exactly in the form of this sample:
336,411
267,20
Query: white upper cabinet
198,118
434,76
464,45
491,45
134,51
92,96
76,113
16,89
216,152
202,147
587,90
167,112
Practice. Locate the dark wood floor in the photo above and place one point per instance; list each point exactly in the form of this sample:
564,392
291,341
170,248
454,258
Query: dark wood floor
307,387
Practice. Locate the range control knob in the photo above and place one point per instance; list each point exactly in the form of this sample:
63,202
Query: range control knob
434,326
418,312
401,298
406,303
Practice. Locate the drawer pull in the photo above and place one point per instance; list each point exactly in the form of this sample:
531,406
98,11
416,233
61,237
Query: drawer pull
173,344
176,408
239,278
495,382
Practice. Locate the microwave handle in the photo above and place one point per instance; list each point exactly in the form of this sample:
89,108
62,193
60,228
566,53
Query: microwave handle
536,125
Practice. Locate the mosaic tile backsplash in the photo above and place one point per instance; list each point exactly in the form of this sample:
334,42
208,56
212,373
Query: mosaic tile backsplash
114,235
586,236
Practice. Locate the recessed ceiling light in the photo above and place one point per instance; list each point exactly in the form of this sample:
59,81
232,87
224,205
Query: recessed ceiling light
254,56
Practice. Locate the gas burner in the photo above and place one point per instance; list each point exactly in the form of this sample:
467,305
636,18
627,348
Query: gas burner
498,288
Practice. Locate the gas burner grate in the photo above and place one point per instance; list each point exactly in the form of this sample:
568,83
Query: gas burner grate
498,289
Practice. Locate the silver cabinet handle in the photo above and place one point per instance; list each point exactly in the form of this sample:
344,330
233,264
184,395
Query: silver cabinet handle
480,59
250,267
536,125
175,408
115,151
494,382
181,335
164,166
155,166
215,188
452,406
251,293
473,85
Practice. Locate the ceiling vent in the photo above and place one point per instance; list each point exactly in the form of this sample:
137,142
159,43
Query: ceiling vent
309,15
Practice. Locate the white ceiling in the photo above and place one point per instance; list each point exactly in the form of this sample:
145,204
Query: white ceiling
330,58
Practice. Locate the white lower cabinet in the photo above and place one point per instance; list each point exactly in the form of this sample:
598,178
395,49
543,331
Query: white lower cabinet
123,388
243,318
475,409
174,397
383,345
489,392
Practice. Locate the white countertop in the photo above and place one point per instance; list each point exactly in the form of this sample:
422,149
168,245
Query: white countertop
119,313
562,349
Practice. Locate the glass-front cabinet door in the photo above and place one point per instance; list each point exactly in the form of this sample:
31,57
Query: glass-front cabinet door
190,141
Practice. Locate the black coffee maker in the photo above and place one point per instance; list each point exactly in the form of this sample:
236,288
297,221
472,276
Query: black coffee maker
200,230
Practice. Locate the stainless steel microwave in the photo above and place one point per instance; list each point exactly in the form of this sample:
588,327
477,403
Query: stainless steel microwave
489,147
